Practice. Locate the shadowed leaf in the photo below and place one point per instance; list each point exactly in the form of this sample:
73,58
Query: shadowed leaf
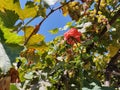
8,18
12,50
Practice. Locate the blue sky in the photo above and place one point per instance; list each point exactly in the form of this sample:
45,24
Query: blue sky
55,20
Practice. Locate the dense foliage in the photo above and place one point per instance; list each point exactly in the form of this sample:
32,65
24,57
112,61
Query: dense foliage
86,57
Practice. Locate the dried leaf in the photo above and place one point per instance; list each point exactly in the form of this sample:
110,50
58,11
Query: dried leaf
14,75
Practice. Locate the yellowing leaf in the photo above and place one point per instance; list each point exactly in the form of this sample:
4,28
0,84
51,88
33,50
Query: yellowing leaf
11,37
65,10
27,31
14,5
2,5
35,39
28,12
37,0
112,50
41,48
54,31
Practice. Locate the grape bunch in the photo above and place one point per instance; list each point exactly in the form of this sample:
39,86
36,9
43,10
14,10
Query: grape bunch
73,9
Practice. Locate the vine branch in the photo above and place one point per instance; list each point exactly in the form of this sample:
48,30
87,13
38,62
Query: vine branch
52,10
97,9
26,24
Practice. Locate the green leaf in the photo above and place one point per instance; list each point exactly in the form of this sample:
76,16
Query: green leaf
42,11
88,42
11,37
1,36
69,24
54,31
107,88
13,87
95,86
29,4
8,18
21,76
12,50
95,39
57,67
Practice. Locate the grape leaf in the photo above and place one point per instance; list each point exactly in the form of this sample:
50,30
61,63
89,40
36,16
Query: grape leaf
13,87
37,0
11,37
112,50
14,5
96,87
54,31
35,39
27,31
28,12
42,11
12,50
8,18
65,10
41,47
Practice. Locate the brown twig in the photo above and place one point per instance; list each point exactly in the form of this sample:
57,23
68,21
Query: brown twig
26,24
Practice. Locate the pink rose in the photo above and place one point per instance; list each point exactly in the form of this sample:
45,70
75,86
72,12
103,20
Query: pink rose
72,36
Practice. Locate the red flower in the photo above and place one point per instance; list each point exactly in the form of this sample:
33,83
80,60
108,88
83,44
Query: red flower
72,36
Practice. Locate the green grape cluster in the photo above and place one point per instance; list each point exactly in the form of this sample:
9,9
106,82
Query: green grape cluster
74,10
102,19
